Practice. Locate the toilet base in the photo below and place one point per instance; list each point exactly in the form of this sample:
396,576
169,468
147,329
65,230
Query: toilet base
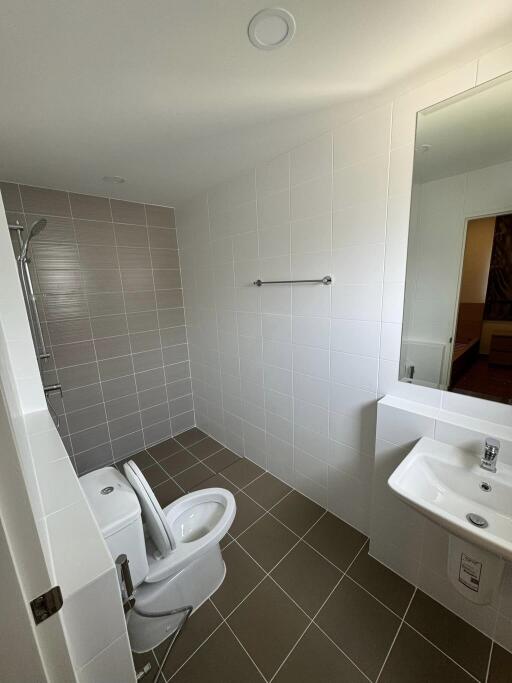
191,586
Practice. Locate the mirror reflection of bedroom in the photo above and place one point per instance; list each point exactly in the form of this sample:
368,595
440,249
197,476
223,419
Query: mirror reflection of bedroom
482,349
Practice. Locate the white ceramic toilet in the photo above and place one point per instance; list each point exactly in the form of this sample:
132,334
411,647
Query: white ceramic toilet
174,553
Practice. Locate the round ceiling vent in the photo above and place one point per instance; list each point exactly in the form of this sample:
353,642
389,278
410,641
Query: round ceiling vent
114,179
271,28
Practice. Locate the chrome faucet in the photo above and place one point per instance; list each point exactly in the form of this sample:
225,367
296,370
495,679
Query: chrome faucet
490,457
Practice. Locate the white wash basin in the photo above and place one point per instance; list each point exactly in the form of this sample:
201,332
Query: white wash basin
445,484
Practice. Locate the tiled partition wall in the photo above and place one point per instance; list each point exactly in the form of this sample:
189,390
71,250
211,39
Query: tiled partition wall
290,375
107,279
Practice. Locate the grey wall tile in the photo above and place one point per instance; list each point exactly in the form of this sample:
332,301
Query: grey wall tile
127,445
181,405
175,354
94,458
125,425
78,376
147,360
177,371
134,257
181,423
173,335
73,354
117,388
115,367
109,326
152,397
160,238
145,341
167,279
155,414
165,258
11,196
157,432
91,257
162,216
76,399
51,255
57,230
142,322
140,301
110,347
179,389
65,331
89,438
101,280
90,207
65,306
57,281
84,419
137,280
106,303
128,212
150,379
94,232
40,200
171,317
120,407
131,235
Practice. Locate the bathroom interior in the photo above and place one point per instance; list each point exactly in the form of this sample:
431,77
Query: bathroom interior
256,341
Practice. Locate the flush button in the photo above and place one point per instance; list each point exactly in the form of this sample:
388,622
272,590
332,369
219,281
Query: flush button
106,490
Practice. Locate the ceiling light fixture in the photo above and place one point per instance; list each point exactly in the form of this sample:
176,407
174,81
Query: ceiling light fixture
114,179
271,28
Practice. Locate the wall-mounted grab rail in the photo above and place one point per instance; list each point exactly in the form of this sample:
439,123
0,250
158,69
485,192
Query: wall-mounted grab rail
327,280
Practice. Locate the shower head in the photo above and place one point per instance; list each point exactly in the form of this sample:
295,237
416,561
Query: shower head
34,230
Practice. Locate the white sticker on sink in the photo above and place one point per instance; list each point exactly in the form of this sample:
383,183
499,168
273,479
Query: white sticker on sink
470,572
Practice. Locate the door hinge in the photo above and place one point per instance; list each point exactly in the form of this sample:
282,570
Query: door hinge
46,604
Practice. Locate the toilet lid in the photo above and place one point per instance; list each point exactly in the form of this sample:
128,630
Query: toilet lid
157,526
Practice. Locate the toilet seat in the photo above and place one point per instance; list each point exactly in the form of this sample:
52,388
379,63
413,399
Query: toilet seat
185,529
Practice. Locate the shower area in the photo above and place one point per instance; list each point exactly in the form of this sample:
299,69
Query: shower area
102,287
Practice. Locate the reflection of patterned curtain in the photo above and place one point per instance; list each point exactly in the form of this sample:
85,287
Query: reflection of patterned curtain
498,300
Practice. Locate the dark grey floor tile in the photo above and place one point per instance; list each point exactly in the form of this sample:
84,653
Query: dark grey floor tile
177,462
140,661
306,577
463,643
316,659
267,541
217,481
501,666
297,512
200,625
242,574
268,624
203,449
220,660
381,582
193,476
414,660
359,625
242,472
142,460
155,475
190,437
247,512
164,449
167,492
267,490
335,540
220,460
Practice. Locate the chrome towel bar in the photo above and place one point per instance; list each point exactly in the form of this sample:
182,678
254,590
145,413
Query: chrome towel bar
327,280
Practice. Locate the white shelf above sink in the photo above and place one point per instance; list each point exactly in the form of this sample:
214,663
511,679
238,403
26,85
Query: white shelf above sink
446,483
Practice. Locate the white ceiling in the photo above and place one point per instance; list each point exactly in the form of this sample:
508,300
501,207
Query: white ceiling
171,95
470,131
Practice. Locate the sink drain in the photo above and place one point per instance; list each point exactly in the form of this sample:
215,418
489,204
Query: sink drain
477,520
485,486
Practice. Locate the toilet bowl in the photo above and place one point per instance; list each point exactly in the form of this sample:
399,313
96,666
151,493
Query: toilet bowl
174,553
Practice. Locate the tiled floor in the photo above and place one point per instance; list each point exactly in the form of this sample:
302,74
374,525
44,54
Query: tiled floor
302,600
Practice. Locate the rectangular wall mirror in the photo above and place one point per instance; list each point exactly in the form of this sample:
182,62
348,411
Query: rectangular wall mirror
457,325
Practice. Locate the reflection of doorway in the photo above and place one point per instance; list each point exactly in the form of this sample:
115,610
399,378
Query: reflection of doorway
482,350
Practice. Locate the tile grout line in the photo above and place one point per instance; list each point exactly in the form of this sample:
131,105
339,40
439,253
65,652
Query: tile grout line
488,670
396,636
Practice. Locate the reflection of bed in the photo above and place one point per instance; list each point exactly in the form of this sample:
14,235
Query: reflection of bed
464,355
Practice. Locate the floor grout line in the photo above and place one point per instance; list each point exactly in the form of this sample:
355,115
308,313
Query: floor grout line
396,636
489,662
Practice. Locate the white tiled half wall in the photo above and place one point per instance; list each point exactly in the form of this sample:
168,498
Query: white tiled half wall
289,376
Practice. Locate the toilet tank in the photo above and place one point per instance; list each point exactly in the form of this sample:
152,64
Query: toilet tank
117,511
